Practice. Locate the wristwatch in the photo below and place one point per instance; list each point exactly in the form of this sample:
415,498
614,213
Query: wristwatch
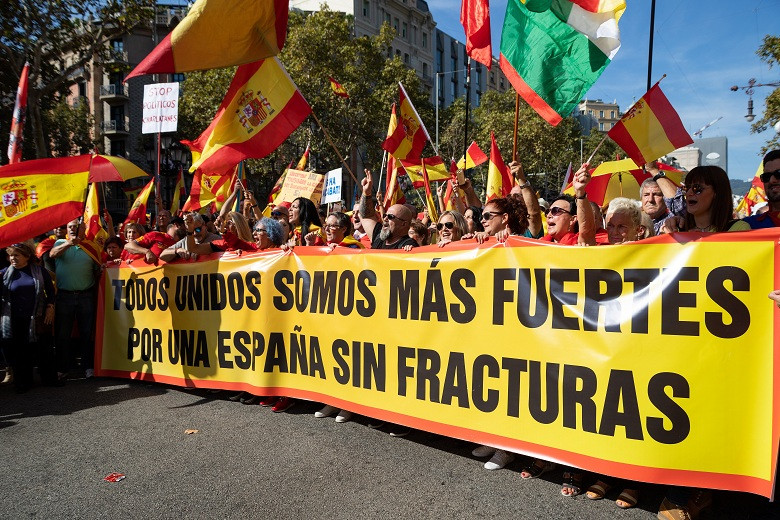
658,176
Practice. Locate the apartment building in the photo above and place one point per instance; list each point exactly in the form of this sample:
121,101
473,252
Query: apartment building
597,114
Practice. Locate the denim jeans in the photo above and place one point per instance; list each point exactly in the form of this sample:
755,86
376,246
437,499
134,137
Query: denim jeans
79,308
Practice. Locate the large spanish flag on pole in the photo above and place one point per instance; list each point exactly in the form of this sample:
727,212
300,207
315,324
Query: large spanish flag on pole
220,33
651,128
208,188
553,51
39,195
260,110
17,121
137,212
499,180
408,138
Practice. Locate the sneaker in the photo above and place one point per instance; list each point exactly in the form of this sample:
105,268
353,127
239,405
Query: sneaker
400,431
283,404
238,397
326,411
483,451
249,399
9,376
89,373
670,511
375,424
499,459
268,401
343,416
701,499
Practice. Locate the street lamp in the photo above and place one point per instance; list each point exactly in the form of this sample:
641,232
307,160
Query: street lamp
749,91
437,101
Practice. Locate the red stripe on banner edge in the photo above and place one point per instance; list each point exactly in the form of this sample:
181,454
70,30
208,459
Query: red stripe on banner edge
46,220
283,126
529,94
281,12
668,117
159,60
637,473
620,134
776,377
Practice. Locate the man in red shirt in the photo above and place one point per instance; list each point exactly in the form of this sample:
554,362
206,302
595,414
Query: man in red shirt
152,244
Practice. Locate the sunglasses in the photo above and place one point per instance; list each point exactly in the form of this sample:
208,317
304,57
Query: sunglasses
390,216
442,225
260,230
276,214
697,189
487,215
766,176
198,229
557,210
332,226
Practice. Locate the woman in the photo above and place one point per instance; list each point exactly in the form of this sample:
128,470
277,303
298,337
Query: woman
133,231
473,216
418,231
27,317
502,218
451,227
708,202
112,251
304,219
338,232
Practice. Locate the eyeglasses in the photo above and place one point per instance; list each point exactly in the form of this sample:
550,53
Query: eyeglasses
448,225
557,210
390,216
487,215
766,176
697,189
261,230
332,226
276,214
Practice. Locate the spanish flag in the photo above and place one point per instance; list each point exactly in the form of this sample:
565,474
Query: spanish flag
499,180
40,194
474,157
178,192
220,33
304,158
208,188
434,166
409,135
429,202
393,192
337,88
755,194
95,237
260,110
137,213
651,128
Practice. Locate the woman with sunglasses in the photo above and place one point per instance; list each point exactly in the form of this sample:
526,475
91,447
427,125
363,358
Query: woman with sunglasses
451,227
708,203
502,218
338,232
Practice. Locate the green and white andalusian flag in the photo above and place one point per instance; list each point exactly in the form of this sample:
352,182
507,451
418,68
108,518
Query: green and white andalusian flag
552,51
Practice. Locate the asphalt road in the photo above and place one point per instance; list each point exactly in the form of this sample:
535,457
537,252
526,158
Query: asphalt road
57,445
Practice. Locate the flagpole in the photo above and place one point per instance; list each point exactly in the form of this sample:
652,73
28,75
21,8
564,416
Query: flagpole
517,117
381,172
466,127
415,189
327,136
238,195
597,149
650,47
157,194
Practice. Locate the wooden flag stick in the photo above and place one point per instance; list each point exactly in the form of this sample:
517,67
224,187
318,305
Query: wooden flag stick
597,149
327,136
517,116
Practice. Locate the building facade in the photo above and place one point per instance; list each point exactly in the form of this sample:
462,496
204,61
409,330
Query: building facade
595,114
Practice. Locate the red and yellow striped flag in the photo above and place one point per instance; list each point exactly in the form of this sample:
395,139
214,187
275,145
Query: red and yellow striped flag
474,157
755,194
220,33
407,139
434,167
260,110
179,192
39,195
137,213
337,89
651,128
499,180
433,214
393,192
304,158
208,188
95,236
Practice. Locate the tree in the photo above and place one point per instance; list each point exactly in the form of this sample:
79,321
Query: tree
69,129
770,53
58,38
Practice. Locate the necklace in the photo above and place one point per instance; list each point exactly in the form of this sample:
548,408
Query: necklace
702,229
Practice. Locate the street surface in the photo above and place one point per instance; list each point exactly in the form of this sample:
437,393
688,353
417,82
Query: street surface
57,445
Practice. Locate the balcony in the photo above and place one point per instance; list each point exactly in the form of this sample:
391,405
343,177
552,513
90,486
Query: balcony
117,56
114,94
116,127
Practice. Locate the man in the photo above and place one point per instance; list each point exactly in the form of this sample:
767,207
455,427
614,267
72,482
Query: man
163,219
76,277
152,244
200,232
394,231
570,220
771,180
660,197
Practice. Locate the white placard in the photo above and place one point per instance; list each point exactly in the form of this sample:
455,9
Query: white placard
331,191
161,108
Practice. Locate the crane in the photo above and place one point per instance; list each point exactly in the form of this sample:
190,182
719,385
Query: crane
702,129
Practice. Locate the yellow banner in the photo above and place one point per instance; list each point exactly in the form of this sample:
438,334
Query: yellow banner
649,361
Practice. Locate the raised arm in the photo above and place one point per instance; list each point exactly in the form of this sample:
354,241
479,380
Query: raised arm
529,197
368,215
585,217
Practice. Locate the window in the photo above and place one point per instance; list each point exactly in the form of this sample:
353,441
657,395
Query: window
601,113
404,30
178,77
398,52
478,77
440,60
406,58
612,114
501,83
454,66
395,24
366,7
601,126
590,112
117,45
425,70
425,40
83,88
454,91
414,34
114,78
492,78
118,148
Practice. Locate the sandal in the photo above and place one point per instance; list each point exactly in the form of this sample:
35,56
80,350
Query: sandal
537,469
628,498
572,481
598,490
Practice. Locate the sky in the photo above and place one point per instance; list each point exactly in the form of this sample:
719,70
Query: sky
703,46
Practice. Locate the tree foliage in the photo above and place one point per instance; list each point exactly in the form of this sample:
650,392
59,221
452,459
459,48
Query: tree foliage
69,129
58,38
769,52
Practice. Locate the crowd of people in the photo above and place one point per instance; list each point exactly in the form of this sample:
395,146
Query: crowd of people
49,287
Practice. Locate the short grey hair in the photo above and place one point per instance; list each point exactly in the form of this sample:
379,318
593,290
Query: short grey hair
627,206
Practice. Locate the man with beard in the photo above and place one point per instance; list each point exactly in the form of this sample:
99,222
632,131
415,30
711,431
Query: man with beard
394,231
771,180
